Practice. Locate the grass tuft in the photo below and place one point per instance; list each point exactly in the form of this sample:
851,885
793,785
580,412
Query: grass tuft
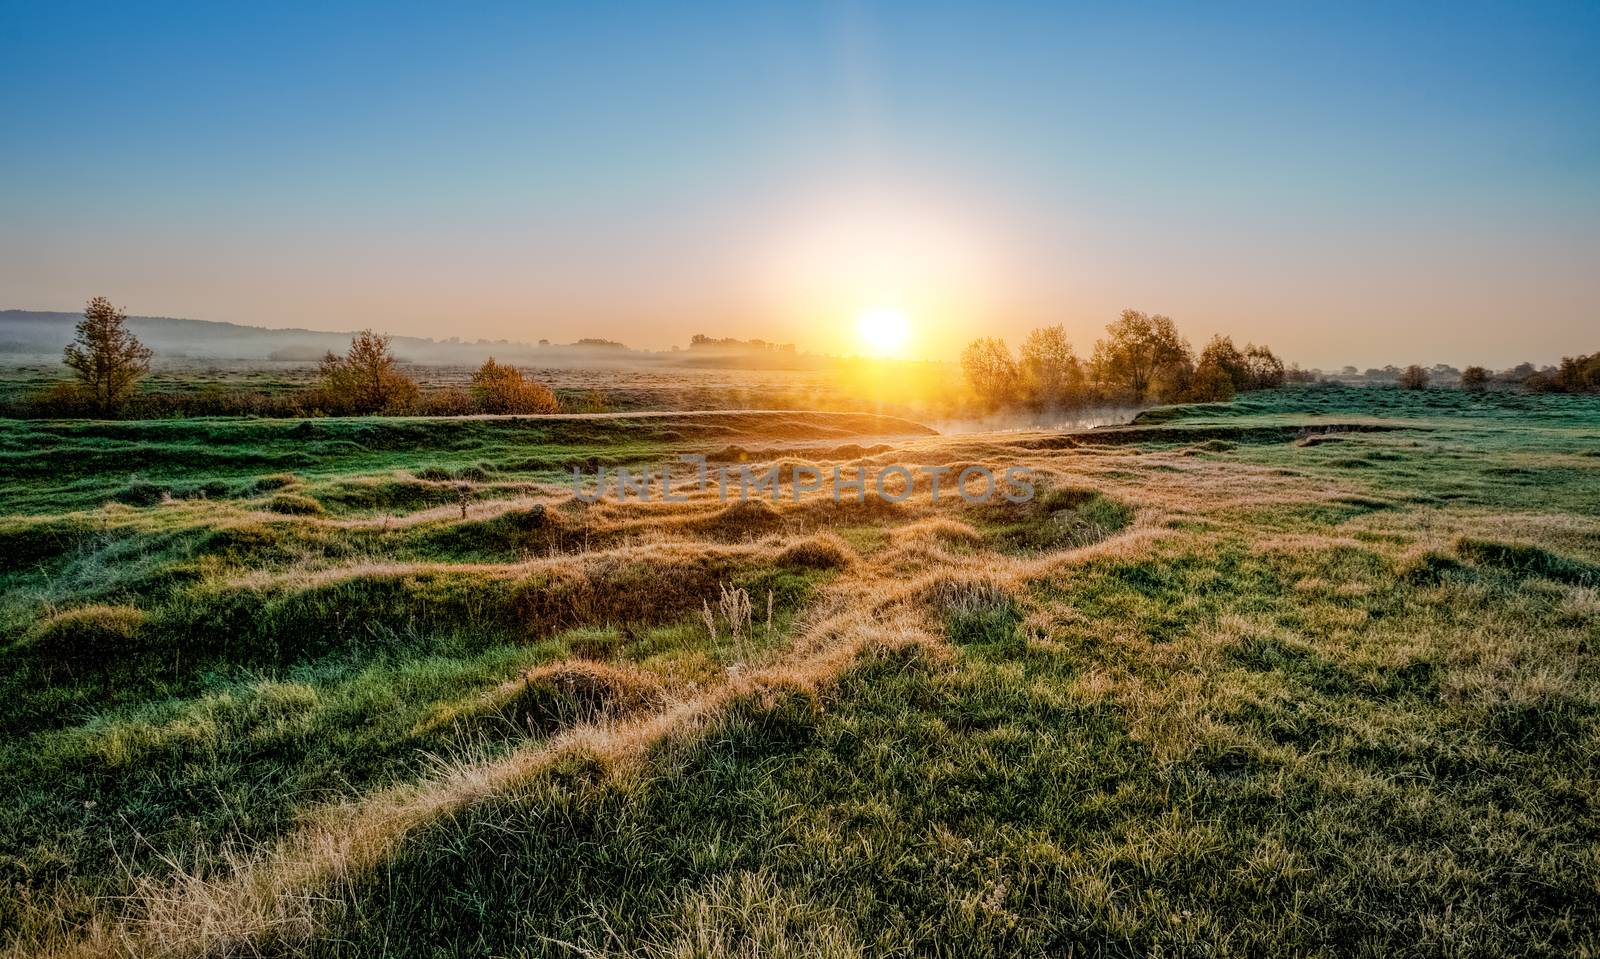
550,698
818,551
1524,559
295,504
88,635
1427,567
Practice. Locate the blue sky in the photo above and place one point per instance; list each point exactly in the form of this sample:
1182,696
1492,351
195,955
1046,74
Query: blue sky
1354,184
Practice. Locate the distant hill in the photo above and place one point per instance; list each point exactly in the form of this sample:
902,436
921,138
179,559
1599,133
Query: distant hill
30,335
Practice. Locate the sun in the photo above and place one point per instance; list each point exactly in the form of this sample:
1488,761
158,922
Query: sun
883,331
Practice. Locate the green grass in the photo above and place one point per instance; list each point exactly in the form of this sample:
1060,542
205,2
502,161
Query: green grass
1317,692
53,465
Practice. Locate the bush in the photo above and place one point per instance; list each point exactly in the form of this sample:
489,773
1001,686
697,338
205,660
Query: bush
367,379
59,400
497,388
447,401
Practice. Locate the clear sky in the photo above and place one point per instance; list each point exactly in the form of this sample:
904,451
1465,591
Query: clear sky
1352,184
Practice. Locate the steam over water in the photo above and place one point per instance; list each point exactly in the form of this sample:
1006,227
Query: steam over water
1043,420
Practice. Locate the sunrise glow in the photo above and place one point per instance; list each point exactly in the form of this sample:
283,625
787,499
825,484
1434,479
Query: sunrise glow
883,332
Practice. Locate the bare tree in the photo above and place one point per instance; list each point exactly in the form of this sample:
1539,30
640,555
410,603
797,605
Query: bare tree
107,359
1474,378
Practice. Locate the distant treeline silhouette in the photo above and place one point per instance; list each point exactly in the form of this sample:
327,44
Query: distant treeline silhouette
1574,374
700,341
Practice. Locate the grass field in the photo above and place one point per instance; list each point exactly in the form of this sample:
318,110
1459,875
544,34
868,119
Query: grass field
901,388
1310,673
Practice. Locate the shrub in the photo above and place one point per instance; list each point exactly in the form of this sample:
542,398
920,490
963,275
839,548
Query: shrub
498,388
1211,382
367,379
60,400
1265,371
444,401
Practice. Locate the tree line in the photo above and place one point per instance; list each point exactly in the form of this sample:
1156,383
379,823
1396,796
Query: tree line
1575,374
1141,359
107,362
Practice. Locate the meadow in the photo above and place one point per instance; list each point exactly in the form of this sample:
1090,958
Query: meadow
179,386
1313,672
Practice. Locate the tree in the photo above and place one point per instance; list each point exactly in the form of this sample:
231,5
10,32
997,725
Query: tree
1048,369
1414,377
108,360
1474,378
367,379
1220,372
1221,357
1579,374
1211,383
1141,354
499,388
990,370
1519,373
1264,369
